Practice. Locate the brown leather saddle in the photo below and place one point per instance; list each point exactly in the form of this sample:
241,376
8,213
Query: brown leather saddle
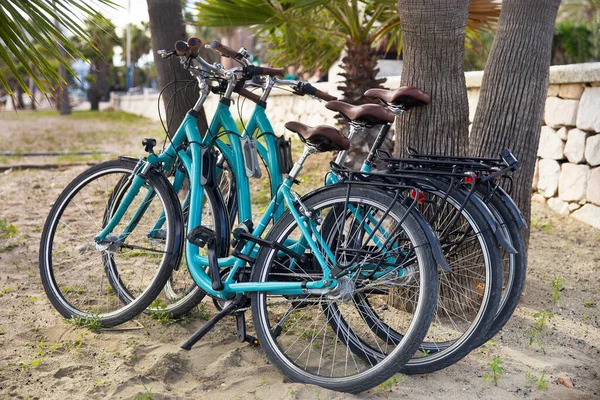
406,96
369,114
322,137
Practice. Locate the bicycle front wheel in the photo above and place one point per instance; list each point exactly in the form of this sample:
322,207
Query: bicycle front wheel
323,339
85,279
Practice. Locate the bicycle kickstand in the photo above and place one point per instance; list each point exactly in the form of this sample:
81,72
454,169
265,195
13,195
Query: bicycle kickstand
240,323
237,302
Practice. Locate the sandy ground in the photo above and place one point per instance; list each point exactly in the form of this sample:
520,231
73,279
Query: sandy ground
42,357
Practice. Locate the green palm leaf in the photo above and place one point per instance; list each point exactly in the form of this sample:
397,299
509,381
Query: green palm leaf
313,33
28,25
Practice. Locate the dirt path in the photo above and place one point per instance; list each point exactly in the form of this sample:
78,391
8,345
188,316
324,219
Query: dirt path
42,357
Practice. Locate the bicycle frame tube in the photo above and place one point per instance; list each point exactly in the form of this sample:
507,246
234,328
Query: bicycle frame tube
232,151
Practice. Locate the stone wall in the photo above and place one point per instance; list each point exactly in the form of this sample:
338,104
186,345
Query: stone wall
567,174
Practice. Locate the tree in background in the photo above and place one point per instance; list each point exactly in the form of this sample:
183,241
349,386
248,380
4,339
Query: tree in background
27,23
313,33
514,86
433,35
167,27
577,33
140,45
101,33
510,109
584,13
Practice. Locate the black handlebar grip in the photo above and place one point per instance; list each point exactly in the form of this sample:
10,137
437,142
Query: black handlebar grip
313,91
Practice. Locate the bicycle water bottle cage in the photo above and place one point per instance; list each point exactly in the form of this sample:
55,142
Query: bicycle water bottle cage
209,168
251,163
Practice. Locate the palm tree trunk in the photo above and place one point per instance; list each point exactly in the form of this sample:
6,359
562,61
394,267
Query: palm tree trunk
103,68
94,92
32,89
18,98
433,37
167,27
513,92
360,71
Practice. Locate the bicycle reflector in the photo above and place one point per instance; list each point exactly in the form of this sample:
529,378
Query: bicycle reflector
420,196
470,178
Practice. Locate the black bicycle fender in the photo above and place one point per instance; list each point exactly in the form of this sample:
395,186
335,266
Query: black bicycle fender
436,248
512,206
489,217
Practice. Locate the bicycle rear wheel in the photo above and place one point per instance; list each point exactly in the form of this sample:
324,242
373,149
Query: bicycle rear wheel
514,266
314,338
81,277
469,293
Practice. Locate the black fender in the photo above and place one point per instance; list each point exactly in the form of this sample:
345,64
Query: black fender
436,247
220,219
512,206
489,217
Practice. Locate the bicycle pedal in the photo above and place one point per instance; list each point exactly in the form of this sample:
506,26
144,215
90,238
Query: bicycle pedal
201,236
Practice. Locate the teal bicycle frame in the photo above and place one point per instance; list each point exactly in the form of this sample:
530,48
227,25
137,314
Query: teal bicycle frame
191,159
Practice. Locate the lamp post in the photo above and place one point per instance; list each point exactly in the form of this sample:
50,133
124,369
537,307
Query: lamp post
129,66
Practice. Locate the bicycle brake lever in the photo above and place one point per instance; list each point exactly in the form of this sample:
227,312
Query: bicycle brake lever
298,89
165,53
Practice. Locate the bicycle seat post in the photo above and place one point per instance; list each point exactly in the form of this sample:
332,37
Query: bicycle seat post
356,128
308,150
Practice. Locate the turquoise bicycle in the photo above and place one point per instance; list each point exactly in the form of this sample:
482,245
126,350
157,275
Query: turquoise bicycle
301,279
462,319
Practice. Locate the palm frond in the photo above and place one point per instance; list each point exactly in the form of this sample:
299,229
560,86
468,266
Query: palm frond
26,25
314,32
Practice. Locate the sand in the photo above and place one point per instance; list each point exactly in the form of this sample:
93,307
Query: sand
42,357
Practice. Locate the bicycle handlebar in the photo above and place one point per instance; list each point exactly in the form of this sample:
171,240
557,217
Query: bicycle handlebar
195,44
301,88
313,91
224,50
252,70
191,48
248,94
181,48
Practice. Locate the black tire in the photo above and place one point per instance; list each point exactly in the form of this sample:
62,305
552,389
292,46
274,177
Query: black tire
458,337
81,209
364,374
180,294
452,351
514,266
